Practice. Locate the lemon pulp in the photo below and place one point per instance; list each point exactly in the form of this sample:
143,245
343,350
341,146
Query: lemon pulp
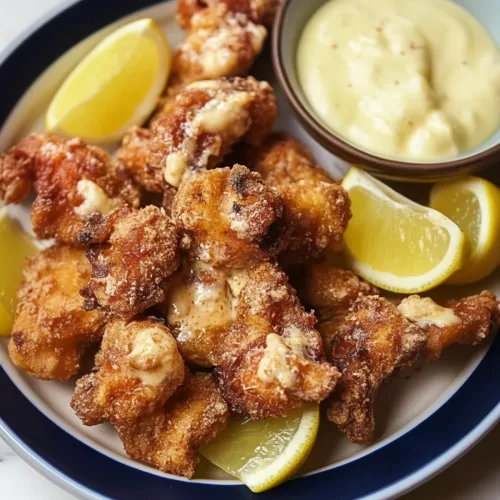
395,243
115,86
264,453
15,246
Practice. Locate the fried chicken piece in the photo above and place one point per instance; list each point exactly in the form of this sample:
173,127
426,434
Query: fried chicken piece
131,253
316,209
137,369
169,438
282,160
466,321
258,11
229,215
71,179
209,117
376,337
271,360
219,44
198,308
373,341
51,329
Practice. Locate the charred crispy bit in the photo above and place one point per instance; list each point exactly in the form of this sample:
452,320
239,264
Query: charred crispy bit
271,359
257,11
169,438
374,340
198,309
137,369
316,209
131,253
208,119
229,216
71,179
466,321
51,329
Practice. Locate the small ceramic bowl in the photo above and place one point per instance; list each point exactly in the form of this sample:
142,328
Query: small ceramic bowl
290,22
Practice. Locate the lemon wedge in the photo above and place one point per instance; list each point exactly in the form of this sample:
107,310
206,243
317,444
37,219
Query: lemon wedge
265,453
474,205
15,246
117,85
395,243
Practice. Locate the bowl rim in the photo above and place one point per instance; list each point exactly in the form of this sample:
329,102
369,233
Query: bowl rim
335,144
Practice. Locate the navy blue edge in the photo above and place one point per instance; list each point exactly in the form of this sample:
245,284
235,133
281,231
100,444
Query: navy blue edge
98,474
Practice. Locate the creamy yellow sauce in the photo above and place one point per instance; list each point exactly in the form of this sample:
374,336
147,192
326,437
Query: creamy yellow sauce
410,79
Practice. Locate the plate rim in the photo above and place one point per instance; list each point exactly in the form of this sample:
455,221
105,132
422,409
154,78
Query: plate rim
34,459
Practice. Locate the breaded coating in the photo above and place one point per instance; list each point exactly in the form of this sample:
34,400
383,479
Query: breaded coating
316,215
198,308
271,359
316,209
219,44
137,369
330,291
131,253
282,160
209,117
71,179
257,11
372,342
322,286
51,329
169,438
466,321
229,216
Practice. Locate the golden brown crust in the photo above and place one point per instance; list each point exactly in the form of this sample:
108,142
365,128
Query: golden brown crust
316,215
169,438
137,369
208,119
271,359
229,216
374,340
134,252
51,329
54,167
320,285
316,209
283,160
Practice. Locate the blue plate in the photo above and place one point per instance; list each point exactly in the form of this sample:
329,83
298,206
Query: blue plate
389,471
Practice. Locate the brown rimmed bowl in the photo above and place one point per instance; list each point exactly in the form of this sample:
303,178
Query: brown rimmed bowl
290,22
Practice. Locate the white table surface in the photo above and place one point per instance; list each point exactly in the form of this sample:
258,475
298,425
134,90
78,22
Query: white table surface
475,476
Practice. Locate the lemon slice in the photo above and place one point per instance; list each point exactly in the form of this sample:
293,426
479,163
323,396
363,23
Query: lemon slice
474,205
265,453
15,246
117,85
395,243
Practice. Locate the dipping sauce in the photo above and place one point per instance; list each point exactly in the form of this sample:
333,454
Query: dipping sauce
408,79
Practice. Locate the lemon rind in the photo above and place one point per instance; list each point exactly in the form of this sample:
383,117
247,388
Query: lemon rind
283,468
